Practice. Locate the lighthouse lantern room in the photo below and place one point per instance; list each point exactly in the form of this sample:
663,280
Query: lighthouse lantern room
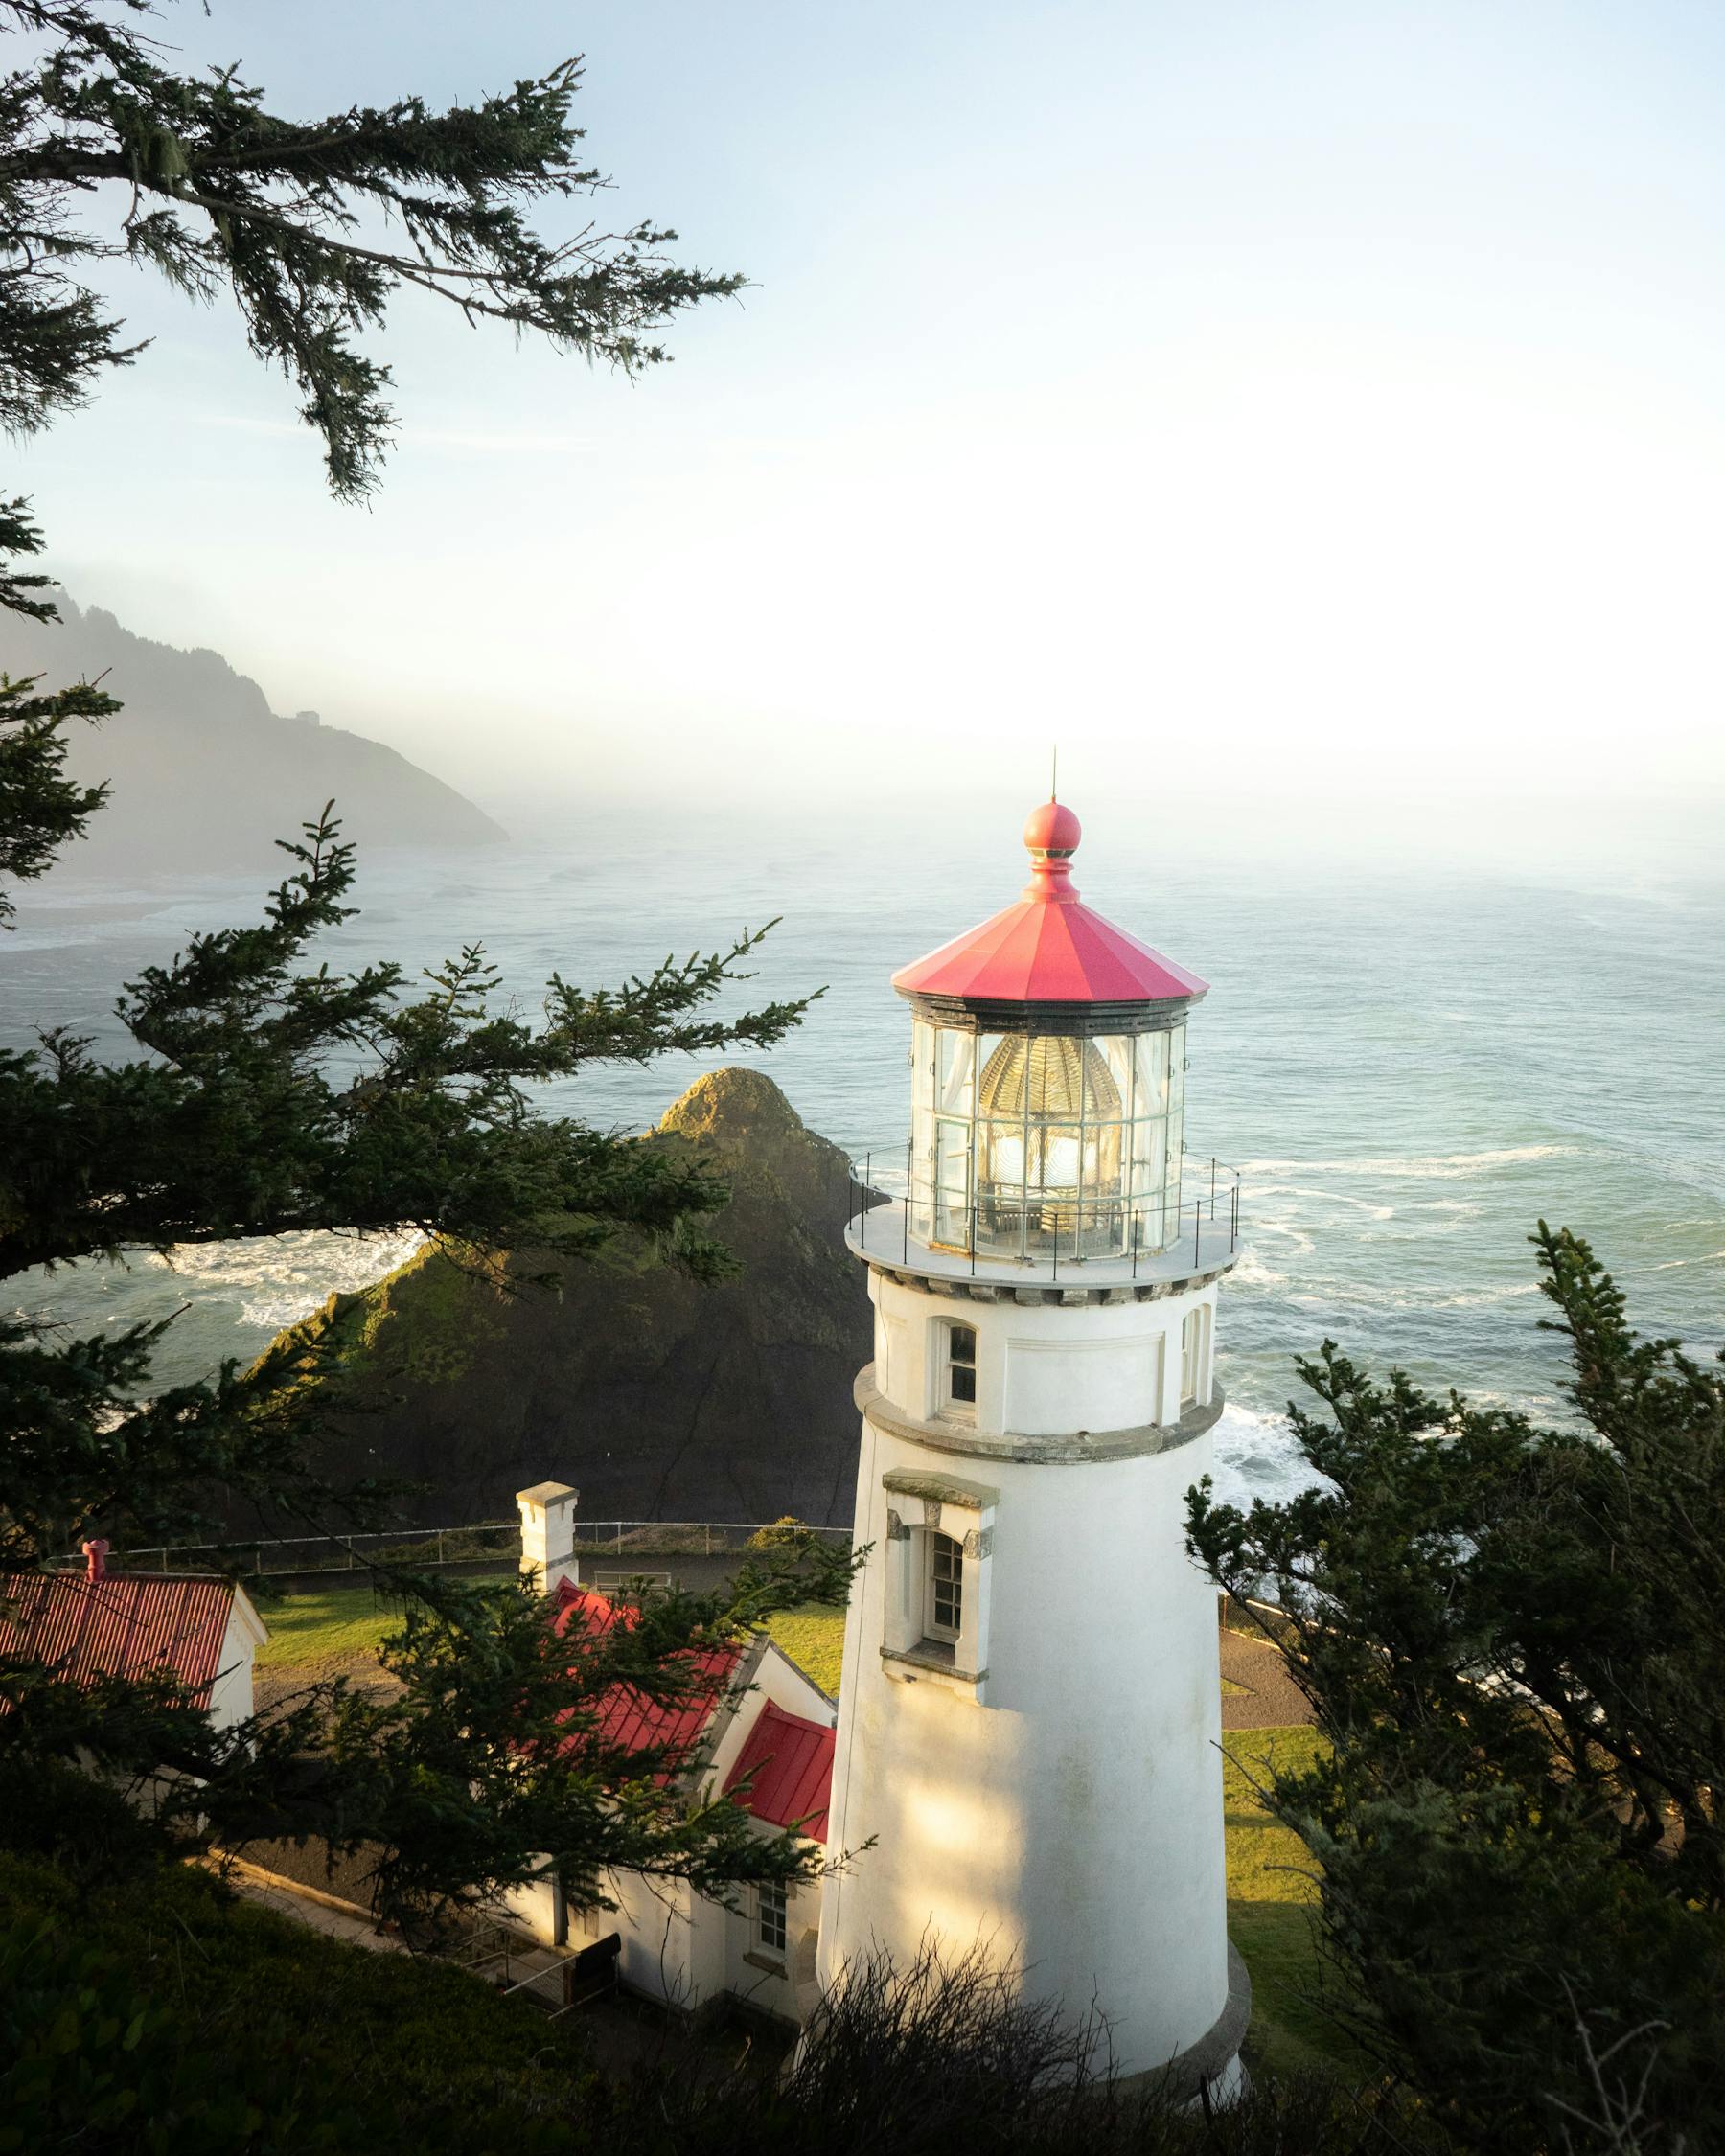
1028,1759
1048,1049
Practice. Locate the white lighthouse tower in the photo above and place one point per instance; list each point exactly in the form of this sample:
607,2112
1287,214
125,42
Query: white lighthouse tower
1030,1713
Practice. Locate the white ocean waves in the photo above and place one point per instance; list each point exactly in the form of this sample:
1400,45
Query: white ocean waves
1256,1230
1527,1403
1444,1167
1366,1205
1256,1456
277,1280
1483,1298
1338,1298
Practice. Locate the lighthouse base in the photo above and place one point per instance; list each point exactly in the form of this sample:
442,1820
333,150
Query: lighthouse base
1213,2061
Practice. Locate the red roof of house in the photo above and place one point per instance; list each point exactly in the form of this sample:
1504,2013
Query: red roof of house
1048,947
117,1625
792,1764
793,1758
629,1719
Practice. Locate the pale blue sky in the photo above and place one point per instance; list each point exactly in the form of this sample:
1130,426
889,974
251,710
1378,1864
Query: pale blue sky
1268,402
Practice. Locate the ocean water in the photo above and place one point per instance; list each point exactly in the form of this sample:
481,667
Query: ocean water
1408,1068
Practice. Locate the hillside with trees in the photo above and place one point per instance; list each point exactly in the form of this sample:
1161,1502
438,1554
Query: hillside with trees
265,1089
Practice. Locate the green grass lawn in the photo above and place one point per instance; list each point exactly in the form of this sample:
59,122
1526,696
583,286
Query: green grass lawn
332,1628
813,1638
318,1633
1270,1897
312,1634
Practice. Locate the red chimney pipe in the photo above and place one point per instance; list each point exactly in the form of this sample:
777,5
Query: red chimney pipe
94,1556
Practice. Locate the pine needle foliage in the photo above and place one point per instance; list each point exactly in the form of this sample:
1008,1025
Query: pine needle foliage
309,227
1512,1638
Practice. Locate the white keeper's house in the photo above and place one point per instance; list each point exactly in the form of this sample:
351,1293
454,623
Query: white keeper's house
760,1731
199,1629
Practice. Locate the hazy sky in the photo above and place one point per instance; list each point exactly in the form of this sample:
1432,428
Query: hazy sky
1266,401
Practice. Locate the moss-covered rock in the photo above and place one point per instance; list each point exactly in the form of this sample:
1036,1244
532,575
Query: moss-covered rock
658,1397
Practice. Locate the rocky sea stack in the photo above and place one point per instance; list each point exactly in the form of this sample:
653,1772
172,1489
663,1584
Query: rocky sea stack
658,1397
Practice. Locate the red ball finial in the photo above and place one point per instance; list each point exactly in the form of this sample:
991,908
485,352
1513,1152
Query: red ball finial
1051,828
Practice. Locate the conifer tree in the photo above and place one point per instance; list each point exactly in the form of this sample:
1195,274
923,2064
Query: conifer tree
273,1094
1512,1638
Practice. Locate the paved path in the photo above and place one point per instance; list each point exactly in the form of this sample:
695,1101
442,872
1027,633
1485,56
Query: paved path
1267,1698
319,1912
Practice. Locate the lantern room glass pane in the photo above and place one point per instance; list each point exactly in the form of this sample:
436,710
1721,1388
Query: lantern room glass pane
955,1066
1107,1087
1149,1228
1176,1121
1150,1083
922,1063
952,1182
1001,1155
1044,1145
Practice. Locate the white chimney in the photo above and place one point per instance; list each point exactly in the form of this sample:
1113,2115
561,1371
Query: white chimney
549,1534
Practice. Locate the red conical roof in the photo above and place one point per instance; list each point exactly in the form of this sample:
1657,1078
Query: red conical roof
1049,948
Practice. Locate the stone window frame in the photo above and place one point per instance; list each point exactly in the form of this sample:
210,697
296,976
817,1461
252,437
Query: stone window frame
918,1506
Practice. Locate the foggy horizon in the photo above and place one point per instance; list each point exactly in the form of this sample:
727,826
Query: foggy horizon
1304,423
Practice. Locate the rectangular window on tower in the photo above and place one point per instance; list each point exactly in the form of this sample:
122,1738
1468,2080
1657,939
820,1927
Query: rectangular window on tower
943,1607
959,1377
939,1565
1191,1351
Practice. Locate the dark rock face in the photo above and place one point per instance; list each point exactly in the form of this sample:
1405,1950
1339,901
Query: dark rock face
658,1397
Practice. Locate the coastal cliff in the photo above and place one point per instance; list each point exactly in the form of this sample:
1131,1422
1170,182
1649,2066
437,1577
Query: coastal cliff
656,1396
202,775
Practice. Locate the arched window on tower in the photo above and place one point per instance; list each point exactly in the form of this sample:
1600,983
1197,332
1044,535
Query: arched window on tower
956,1394
1194,1343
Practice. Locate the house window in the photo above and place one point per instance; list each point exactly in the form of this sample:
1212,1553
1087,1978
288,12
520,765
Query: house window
943,1606
771,1930
959,1389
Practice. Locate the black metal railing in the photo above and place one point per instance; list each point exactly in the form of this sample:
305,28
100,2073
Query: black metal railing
487,1542
1041,1228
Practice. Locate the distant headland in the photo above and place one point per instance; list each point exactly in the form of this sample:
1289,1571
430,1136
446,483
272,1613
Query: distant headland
202,774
